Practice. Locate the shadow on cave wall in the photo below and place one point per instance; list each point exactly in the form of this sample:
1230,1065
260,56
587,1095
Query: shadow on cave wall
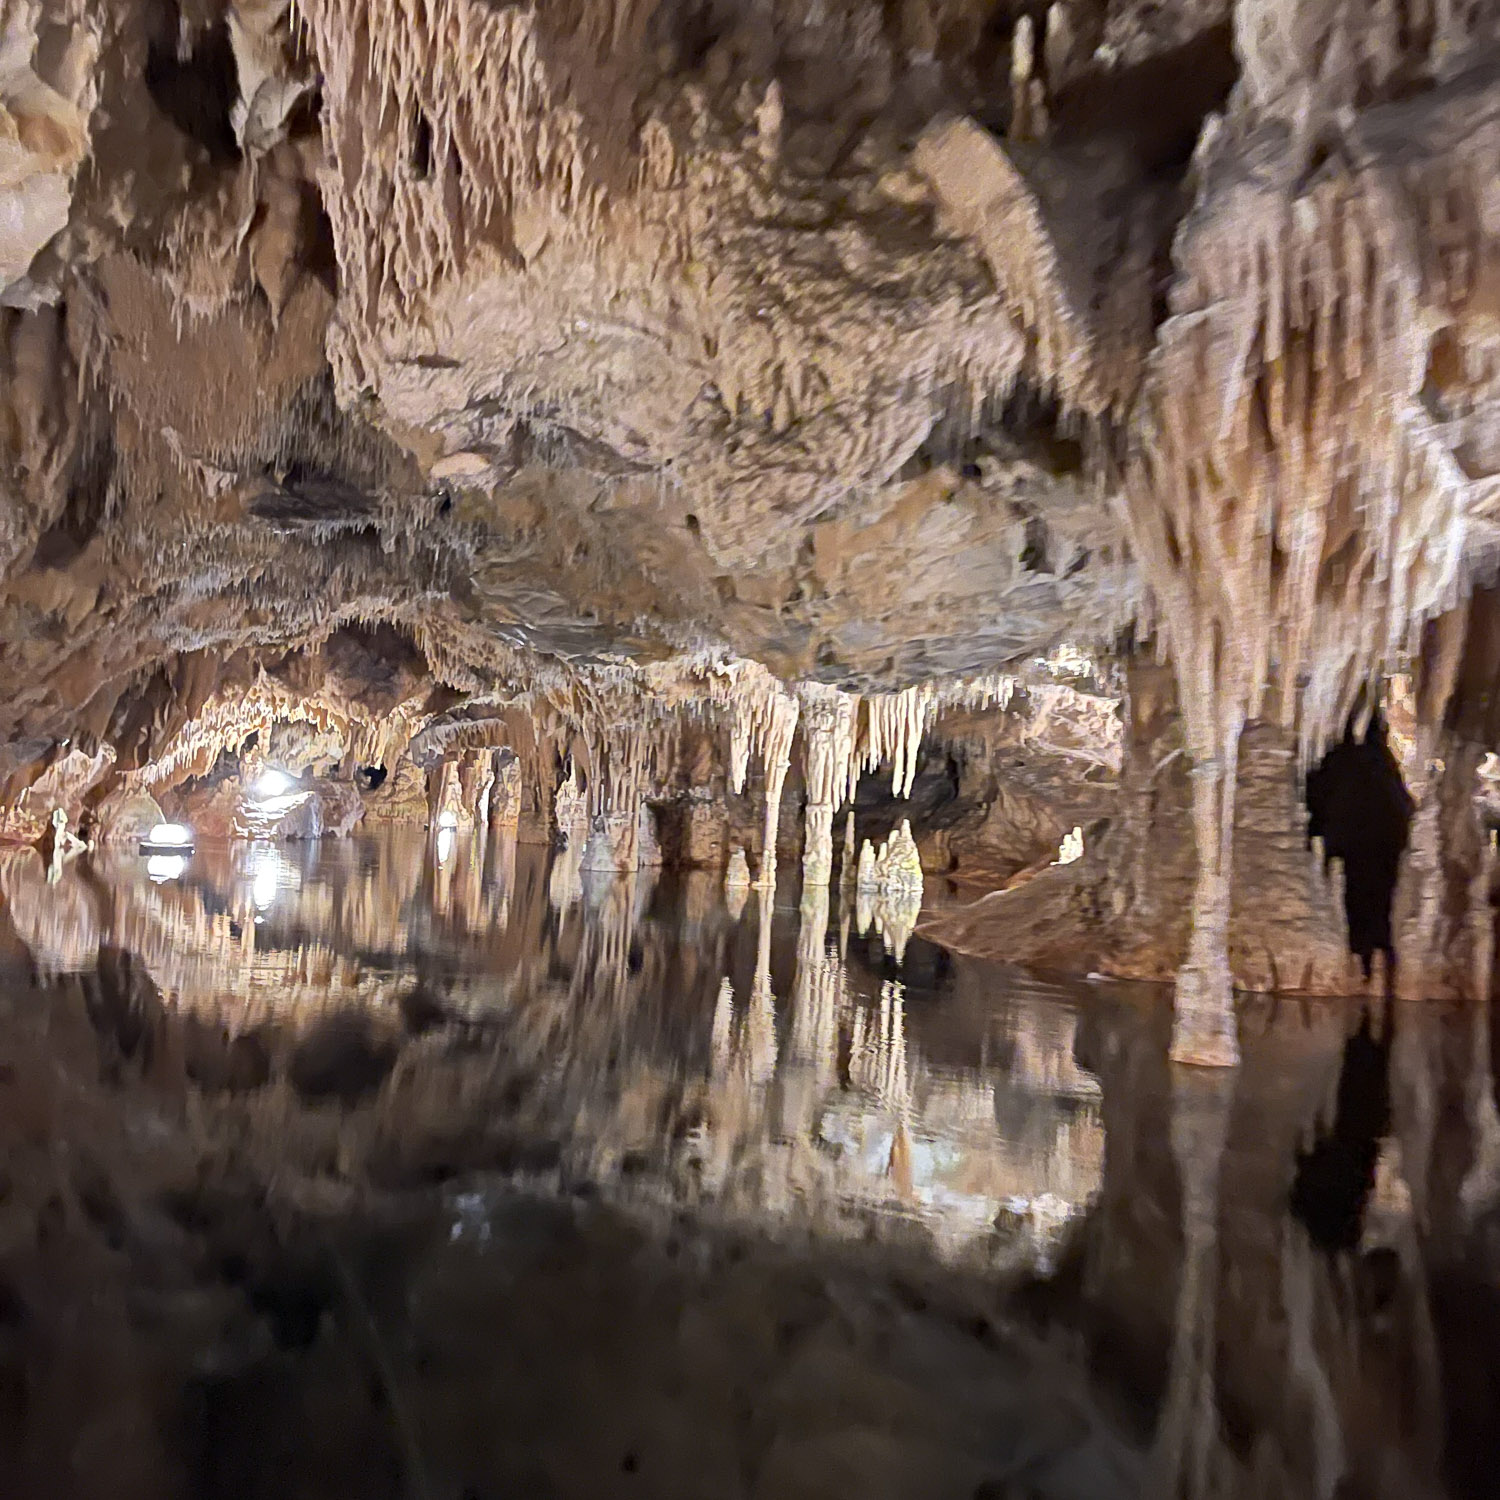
1359,806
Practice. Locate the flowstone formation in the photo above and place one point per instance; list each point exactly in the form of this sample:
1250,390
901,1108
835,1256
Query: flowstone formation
630,422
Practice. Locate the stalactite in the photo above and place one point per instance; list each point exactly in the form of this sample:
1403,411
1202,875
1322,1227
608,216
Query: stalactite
893,726
776,741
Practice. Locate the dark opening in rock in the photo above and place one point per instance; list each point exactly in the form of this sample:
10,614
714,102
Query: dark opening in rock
1359,806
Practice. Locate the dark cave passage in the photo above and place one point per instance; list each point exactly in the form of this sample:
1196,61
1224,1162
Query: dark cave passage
1359,806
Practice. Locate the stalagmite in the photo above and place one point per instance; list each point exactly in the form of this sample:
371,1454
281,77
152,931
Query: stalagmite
888,889
737,875
1071,848
897,867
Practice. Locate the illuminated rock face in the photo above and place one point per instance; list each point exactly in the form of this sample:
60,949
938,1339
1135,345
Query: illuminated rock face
622,387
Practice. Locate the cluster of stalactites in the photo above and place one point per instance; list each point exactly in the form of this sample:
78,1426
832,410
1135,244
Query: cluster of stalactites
226,721
428,150
894,724
842,734
1297,510
231,715
762,717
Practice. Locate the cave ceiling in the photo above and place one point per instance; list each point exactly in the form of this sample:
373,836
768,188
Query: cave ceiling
425,360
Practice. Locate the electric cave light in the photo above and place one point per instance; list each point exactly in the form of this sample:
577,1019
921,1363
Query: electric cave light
169,837
273,783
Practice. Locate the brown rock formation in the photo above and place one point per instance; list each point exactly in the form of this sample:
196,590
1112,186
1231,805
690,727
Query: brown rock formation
398,384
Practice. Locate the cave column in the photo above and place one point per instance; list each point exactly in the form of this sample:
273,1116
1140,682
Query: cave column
1204,1026
828,750
446,797
617,800
537,790
1442,919
570,812
614,838
505,794
476,776
776,747
1438,951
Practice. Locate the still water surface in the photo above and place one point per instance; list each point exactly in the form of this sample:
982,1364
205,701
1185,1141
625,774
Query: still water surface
1283,1280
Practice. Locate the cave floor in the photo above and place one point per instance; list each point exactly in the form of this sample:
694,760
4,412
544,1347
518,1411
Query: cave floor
393,1167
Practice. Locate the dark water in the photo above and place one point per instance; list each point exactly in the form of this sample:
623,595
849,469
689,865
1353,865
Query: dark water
593,1185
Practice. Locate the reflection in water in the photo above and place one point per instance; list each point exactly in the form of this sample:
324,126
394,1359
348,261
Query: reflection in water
1335,1179
744,1060
162,867
1287,1279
